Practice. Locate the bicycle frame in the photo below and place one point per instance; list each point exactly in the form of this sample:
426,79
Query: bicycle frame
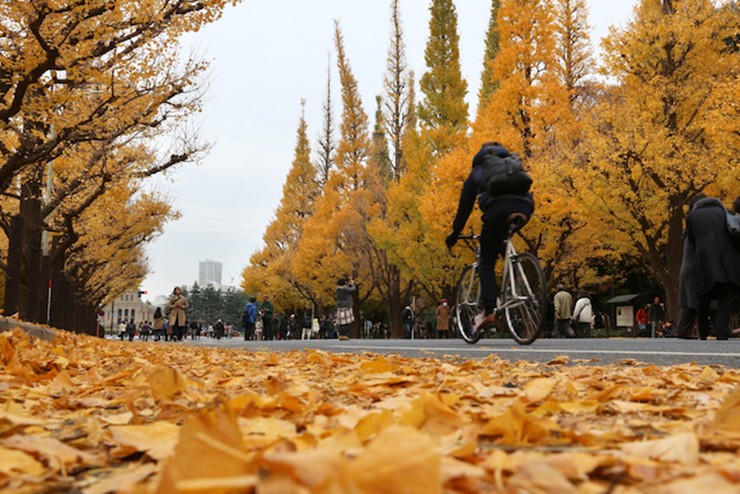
510,262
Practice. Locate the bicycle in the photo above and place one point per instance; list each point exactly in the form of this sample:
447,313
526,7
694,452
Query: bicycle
522,301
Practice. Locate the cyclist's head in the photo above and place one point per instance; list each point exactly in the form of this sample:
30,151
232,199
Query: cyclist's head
342,281
487,148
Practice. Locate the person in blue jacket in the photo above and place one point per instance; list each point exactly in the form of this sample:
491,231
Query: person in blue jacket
250,318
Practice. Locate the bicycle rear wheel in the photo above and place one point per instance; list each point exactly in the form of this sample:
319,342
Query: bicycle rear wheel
526,302
468,304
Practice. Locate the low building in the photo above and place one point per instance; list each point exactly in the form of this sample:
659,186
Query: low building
128,306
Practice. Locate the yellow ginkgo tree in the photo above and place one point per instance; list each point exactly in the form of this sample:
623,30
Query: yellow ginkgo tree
666,130
86,80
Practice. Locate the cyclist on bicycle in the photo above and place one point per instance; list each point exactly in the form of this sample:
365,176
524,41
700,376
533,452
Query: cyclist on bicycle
497,210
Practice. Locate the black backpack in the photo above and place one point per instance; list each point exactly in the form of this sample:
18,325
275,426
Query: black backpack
505,175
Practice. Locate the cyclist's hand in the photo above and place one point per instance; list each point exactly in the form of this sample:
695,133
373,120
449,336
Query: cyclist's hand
451,239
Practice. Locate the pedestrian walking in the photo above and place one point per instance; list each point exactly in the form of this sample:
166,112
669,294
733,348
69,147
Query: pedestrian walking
583,315
266,313
716,265
218,329
195,329
145,330
306,329
656,316
158,324
443,319
563,303
250,318
688,299
407,319
130,330
345,302
177,304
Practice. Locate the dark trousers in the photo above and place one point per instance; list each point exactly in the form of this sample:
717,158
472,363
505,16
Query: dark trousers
248,330
583,329
344,329
685,322
562,329
492,245
722,293
407,329
267,328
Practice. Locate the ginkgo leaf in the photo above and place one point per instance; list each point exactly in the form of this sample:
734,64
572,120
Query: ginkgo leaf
516,427
157,440
209,446
14,462
682,448
57,453
165,382
398,460
727,418
538,389
541,478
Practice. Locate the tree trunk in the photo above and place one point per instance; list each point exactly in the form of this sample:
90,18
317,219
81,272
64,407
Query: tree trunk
354,328
395,305
674,256
56,318
668,272
43,287
68,300
30,211
13,273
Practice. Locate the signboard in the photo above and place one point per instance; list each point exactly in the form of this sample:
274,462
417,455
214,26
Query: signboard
625,316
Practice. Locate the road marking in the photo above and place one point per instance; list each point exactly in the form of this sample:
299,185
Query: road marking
536,350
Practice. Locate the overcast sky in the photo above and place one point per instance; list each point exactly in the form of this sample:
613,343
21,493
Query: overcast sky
267,55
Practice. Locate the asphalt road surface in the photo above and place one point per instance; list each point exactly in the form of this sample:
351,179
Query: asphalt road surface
659,351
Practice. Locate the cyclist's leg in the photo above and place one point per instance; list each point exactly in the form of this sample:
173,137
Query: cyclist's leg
492,244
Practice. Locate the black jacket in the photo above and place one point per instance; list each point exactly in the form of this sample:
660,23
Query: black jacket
715,258
474,187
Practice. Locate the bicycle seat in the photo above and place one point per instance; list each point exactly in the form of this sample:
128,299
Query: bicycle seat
516,221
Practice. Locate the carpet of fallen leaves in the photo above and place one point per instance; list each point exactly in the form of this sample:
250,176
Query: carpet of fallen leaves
80,414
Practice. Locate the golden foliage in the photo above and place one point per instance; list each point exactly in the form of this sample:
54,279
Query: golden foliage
666,131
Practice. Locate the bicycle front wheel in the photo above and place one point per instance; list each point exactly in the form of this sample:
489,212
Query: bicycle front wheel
524,298
468,304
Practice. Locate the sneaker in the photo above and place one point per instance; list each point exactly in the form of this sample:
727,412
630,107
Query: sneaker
343,338
486,322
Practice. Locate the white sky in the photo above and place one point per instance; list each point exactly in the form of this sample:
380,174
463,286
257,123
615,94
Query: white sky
266,56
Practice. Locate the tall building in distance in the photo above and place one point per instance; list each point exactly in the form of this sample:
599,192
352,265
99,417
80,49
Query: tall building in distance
209,273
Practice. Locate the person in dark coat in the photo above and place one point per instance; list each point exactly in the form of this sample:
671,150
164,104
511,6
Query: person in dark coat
716,264
496,211
218,329
130,330
688,298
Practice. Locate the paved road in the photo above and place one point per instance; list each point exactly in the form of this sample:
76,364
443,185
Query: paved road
659,351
